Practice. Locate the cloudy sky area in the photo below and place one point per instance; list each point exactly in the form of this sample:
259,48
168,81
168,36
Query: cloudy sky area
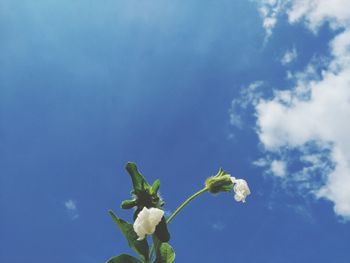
260,88
315,111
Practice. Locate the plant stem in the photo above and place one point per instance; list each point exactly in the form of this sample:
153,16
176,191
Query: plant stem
178,211
151,252
186,203
154,246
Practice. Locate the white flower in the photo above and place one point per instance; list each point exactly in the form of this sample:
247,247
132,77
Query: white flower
241,189
146,221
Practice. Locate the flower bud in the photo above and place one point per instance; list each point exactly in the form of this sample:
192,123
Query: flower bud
221,182
146,221
241,189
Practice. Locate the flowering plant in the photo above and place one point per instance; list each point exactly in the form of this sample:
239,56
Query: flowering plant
149,218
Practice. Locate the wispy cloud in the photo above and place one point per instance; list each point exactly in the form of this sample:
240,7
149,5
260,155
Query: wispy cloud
218,226
272,167
289,56
248,96
71,208
269,11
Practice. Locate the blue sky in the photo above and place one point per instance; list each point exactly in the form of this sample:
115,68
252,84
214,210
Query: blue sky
182,88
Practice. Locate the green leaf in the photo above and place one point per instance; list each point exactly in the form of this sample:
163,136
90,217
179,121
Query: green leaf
140,247
138,180
162,232
165,254
155,187
123,258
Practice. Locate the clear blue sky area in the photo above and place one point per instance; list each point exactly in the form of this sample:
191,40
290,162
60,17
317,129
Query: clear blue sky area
86,86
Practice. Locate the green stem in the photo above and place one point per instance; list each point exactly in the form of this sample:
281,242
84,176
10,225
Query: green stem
205,189
151,252
154,246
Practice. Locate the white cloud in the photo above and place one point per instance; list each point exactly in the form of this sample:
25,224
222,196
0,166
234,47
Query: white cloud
313,12
278,168
289,56
317,109
323,118
72,210
316,12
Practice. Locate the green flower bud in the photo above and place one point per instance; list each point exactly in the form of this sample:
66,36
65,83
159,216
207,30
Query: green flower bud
221,182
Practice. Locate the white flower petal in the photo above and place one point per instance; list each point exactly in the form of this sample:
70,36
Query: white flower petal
146,221
241,190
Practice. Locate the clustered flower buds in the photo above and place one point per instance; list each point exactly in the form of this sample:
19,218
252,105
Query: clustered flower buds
146,221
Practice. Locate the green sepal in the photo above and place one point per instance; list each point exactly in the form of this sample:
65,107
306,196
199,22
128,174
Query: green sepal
162,232
123,258
155,187
140,247
165,254
221,182
127,204
138,180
